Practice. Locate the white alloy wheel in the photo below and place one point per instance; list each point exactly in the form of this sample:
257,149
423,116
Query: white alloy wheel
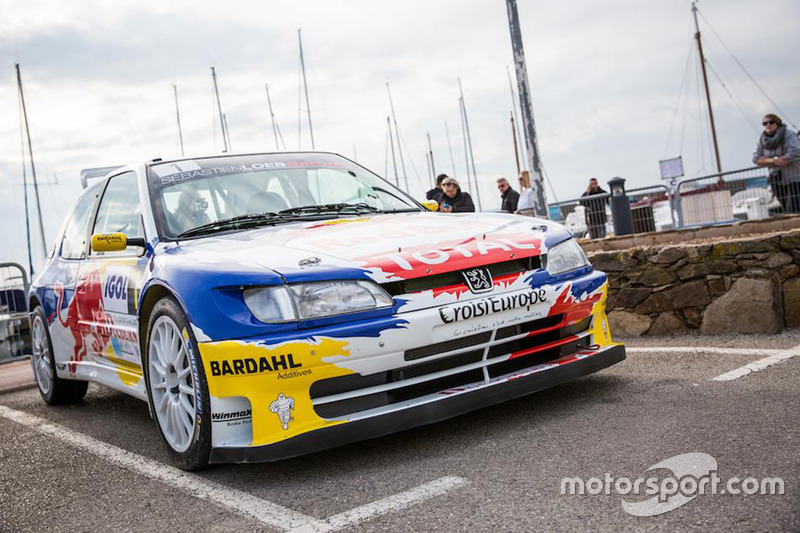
171,384
41,356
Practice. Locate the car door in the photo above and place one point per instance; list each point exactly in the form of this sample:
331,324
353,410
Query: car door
111,282
60,279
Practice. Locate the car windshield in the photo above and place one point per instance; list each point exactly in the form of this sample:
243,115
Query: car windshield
229,192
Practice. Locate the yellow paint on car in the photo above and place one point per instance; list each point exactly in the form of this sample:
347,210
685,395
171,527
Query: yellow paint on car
297,364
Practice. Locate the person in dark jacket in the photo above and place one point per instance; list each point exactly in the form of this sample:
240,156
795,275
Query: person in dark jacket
510,196
595,210
436,192
454,200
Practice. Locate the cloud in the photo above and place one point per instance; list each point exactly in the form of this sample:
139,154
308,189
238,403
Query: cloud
604,75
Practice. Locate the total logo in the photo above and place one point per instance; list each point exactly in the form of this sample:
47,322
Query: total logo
458,255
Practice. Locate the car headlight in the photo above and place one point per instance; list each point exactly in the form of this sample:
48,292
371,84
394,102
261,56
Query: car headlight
565,256
304,301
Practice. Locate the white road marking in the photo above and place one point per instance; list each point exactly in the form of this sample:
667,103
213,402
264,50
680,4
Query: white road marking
761,364
241,503
394,503
701,349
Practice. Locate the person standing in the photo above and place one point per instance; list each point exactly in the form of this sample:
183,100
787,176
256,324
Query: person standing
595,210
525,203
436,192
453,200
778,149
510,196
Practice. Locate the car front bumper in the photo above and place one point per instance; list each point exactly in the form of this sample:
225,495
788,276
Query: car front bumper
437,407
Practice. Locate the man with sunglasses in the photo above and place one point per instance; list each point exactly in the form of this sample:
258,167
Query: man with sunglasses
510,196
778,149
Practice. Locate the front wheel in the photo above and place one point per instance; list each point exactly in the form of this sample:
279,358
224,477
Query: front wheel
54,390
176,386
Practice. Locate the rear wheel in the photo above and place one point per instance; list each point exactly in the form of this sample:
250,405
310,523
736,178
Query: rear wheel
176,386
54,390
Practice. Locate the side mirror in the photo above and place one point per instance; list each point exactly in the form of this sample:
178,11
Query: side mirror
431,205
114,242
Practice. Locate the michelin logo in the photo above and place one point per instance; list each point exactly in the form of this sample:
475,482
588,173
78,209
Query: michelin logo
283,407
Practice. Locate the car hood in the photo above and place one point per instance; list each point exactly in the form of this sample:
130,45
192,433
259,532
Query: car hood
383,247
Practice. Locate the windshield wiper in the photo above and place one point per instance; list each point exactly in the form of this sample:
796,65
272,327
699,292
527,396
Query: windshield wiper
331,208
242,221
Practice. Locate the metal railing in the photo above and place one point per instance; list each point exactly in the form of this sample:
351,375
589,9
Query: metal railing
15,335
726,197
590,216
746,194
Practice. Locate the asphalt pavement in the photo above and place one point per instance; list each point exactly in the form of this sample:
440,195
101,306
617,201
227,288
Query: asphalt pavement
99,465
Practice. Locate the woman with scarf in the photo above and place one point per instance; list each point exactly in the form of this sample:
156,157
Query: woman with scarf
779,150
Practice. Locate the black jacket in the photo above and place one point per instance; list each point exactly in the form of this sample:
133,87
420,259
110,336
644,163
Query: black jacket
595,207
510,200
461,202
434,194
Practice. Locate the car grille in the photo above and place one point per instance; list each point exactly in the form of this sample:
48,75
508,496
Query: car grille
450,364
450,279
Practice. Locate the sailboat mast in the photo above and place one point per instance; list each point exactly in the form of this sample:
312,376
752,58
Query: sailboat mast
25,186
272,117
178,116
526,109
516,148
469,142
430,151
450,149
219,108
397,133
705,84
226,132
305,89
33,167
514,103
391,144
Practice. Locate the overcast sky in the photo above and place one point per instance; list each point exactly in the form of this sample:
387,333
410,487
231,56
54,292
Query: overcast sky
605,76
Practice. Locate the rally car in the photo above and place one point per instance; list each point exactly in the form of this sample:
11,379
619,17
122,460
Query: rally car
271,305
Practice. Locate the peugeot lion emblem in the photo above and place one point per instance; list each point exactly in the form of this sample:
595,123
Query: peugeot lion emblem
478,279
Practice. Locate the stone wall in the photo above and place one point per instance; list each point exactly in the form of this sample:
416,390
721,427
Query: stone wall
747,285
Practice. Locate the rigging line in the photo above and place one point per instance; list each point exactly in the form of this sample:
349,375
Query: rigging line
680,95
736,103
741,66
547,179
727,84
411,159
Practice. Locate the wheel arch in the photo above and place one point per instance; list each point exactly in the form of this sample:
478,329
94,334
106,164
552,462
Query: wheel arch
151,295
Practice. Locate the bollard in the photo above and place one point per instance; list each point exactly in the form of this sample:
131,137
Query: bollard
620,208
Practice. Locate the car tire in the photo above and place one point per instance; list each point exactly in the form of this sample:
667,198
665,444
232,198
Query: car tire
176,386
54,390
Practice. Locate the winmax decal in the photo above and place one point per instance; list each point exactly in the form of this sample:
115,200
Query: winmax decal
230,417
252,365
495,304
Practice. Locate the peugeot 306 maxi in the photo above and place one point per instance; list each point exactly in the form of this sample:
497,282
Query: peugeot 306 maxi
270,305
